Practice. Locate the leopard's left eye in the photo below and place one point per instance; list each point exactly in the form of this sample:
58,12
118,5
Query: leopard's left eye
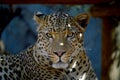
71,34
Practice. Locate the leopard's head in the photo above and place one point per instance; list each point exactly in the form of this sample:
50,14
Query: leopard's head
60,36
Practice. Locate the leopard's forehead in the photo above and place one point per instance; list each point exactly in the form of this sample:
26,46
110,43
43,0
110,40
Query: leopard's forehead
58,21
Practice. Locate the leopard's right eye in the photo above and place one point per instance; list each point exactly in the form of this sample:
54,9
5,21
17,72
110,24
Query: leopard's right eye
49,35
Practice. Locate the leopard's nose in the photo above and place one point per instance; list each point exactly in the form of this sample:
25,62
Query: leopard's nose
59,53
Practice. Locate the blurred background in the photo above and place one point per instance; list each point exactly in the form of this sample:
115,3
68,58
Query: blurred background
102,36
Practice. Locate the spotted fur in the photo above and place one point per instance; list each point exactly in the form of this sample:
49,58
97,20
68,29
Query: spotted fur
58,53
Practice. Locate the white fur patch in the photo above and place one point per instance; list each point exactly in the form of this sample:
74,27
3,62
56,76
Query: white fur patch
74,65
82,77
60,65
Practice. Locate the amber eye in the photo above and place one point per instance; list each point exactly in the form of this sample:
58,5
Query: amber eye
70,34
49,35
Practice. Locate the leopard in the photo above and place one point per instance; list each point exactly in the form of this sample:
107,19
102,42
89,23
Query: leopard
57,54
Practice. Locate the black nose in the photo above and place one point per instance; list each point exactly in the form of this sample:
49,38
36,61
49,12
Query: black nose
59,53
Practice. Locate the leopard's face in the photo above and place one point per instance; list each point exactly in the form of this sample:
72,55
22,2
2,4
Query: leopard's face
60,37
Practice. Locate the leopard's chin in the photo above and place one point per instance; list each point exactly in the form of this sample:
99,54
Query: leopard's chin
60,65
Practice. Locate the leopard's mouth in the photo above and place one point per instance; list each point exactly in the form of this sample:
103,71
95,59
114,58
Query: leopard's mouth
60,65
60,59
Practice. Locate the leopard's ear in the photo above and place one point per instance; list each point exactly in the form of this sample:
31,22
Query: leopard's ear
38,17
82,19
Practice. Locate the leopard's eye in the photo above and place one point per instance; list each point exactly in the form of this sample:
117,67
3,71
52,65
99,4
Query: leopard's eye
70,34
49,35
